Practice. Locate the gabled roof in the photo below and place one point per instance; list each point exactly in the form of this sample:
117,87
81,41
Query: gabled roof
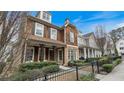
88,34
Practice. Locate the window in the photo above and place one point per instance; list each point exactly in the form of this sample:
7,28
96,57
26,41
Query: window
29,54
121,43
53,34
121,48
39,29
71,54
71,37
46,16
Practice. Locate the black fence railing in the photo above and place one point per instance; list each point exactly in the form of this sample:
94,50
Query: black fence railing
72,74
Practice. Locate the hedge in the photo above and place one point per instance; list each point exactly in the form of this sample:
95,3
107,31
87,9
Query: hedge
116,62
34,65
2,65
30,75
26,76
76,62
104,60
108,67
50,69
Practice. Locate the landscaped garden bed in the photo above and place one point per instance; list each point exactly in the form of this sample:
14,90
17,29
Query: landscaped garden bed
31,71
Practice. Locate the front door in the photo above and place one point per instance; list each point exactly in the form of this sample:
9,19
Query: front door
60,56
51,54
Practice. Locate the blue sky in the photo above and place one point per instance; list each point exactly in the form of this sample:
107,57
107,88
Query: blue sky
86,21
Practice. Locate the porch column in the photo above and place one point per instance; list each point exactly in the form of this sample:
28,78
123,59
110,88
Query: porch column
92,53
42,52
95,53
85,54
88,53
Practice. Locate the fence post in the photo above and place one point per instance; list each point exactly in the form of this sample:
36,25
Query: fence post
77,73
97,63
92,67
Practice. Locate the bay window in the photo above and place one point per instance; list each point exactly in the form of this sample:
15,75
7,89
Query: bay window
39,29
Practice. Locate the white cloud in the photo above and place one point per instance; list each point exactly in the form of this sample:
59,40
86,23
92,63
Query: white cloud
119,25
103,15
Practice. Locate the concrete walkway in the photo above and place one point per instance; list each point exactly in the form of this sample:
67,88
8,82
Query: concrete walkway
116,75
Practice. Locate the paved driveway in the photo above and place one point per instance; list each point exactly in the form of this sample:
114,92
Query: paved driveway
116,75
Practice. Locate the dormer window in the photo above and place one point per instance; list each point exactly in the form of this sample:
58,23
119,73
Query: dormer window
53,34
71,37
39,29
46,17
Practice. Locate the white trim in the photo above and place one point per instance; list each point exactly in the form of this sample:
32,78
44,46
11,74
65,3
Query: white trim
42,29
44,54
39,54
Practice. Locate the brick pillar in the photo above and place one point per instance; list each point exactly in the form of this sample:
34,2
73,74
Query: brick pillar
65,56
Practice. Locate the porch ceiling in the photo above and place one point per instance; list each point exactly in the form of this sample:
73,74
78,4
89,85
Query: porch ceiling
45,43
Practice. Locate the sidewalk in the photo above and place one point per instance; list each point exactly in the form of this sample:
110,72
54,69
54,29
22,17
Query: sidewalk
116,75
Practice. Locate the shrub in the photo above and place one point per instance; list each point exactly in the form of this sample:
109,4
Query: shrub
116,62
116,57
89,77
50,69
104,60
76,62
35,65
108,67
26,76
92,59
2,65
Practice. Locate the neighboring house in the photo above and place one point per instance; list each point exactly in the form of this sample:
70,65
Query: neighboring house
120,47
88,47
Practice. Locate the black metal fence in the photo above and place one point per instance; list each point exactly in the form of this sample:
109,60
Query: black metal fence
72,74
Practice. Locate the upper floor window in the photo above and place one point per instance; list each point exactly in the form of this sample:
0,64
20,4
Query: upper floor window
53,34
46,16
39,29
121,43
71,37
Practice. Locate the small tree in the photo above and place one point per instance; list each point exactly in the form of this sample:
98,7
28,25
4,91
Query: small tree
101,37
11,29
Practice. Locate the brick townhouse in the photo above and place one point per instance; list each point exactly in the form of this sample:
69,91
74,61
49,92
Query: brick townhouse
48,42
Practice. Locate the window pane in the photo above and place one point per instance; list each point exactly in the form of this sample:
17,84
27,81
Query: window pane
71,37
53,34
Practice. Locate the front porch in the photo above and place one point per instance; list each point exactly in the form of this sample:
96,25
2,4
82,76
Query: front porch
88,52
35,52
